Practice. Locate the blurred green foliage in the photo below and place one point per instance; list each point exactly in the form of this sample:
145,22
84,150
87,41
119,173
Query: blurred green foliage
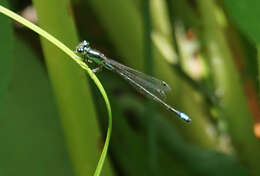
206,50
32,140
5,64
245,15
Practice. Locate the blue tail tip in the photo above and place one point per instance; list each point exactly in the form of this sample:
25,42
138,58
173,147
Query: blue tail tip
184,117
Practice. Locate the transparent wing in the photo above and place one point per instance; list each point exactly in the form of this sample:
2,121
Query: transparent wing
146,92
147,85
151,84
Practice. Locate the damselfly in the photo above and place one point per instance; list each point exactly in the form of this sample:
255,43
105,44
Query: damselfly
147,85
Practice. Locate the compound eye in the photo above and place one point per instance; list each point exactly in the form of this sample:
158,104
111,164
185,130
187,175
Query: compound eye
82,47
79,49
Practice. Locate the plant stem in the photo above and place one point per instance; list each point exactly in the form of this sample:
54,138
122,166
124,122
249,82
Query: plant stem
227,81
186,100
258,56
72,92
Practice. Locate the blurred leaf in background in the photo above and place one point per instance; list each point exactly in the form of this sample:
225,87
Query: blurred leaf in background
32,141
245,14
217,39
6,50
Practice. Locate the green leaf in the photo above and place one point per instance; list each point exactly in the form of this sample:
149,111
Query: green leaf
73,105
246,15
6,61
31,137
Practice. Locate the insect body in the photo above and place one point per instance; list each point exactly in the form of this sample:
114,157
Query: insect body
145,84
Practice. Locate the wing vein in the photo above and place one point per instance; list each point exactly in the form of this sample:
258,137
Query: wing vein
151,84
